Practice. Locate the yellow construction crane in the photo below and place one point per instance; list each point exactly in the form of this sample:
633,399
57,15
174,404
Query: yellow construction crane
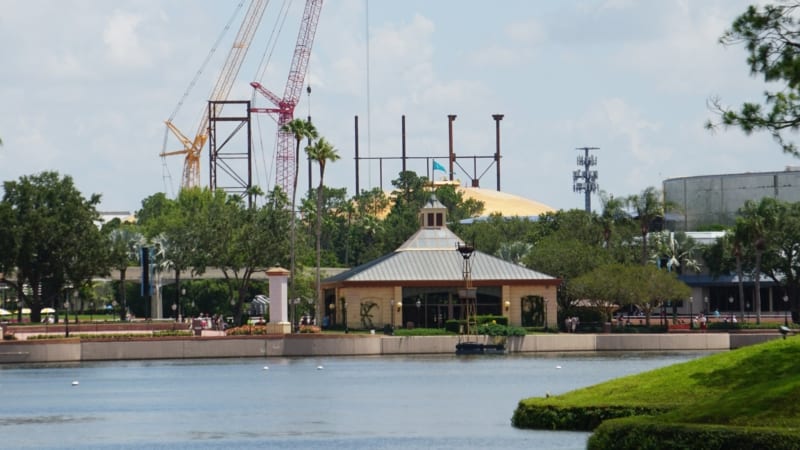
192,148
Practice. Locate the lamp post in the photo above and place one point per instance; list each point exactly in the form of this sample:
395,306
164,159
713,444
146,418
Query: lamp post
174,309
294,302
545,314
91,311
785,310
181,309
344,315
691,313
391,312
332,308
114,307
66,317
419,305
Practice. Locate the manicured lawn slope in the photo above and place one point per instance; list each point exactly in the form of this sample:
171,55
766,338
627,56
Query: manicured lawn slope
756,386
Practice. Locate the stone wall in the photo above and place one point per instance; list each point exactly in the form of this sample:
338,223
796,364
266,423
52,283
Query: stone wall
64,350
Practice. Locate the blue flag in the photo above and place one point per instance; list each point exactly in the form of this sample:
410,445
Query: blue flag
437,166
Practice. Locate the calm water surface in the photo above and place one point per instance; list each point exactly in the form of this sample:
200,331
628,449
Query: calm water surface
410,402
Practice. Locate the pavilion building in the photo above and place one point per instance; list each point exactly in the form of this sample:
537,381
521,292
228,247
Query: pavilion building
418,284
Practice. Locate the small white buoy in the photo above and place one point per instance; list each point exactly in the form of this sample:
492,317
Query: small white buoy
75,383
266,367
558,367
319,367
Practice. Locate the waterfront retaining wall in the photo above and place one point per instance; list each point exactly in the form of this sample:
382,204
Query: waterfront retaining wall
73,350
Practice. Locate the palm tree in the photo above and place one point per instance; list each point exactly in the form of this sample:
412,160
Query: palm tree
301,129
322,152
648,206
755,224
125,242
613,214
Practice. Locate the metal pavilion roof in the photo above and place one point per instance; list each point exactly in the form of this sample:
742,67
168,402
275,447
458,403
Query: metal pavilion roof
431,255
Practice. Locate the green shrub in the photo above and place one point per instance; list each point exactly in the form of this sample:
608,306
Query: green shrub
500,320
549,417
648,433
421,332
454,326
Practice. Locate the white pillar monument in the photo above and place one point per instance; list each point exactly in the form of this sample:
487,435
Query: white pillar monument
278,307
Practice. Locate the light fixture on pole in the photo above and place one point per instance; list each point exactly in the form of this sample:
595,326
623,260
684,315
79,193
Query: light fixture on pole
174,310
419,305
785,310
691,313
544,316
469,293
66,317
585,180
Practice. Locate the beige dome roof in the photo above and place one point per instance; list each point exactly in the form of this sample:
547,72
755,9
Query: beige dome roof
504,203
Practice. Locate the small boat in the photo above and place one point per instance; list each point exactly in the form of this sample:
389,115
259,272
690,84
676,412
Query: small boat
477,348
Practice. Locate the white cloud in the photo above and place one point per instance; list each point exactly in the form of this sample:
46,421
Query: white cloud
123,44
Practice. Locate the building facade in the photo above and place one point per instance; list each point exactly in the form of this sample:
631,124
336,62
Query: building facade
421,284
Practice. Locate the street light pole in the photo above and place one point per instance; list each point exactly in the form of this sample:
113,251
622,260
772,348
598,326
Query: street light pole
785,310
66,317
691,313
419,305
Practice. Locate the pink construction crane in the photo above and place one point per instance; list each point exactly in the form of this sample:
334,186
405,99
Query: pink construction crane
284,107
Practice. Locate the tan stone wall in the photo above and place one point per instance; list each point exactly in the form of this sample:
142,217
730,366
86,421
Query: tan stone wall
340,345
381,314
514,294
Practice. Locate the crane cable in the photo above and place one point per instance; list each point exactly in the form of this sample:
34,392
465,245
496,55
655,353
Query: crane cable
165,173
207,60
266,57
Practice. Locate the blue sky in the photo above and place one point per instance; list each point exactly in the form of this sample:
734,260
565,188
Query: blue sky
86,87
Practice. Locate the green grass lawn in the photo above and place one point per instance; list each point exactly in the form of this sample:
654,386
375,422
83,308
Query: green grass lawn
752,386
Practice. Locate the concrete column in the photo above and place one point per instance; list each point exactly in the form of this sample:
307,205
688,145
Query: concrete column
278,306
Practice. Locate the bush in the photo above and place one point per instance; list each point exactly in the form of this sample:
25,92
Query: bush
310,329
247,330
647,433
421,332
548,417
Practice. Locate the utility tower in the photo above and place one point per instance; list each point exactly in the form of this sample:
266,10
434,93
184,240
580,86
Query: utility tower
586,180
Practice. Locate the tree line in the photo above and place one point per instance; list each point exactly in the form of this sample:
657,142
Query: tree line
50,244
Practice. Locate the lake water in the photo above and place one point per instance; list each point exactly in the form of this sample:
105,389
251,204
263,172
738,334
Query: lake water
409,402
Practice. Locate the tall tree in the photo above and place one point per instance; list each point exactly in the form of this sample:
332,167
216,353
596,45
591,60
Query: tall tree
782,263
647,207
321,152
770,35
55,240
757,222
301,129
612,216
124,242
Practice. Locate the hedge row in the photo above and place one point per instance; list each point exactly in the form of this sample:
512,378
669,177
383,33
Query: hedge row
646,433
550,417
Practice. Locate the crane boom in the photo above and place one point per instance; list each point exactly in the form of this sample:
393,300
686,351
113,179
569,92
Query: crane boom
193,148
284,107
